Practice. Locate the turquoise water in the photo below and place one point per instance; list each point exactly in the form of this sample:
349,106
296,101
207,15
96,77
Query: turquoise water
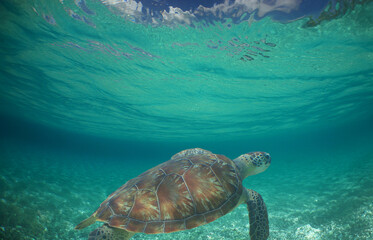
91,97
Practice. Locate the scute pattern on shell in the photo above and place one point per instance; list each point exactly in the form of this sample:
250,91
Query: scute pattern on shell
182,193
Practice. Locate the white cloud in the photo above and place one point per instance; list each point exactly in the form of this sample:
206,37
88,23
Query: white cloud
219,11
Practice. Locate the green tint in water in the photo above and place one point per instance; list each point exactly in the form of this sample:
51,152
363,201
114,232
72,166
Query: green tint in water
116,78
318,196
229,88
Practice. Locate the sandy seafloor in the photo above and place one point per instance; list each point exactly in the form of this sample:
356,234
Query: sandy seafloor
328,195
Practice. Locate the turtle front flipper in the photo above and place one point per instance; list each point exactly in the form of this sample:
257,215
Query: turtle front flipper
108,233
258,216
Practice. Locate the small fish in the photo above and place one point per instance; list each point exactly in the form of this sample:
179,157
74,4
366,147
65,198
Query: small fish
270,44
264,55
247,58
251,52
260,49
267,43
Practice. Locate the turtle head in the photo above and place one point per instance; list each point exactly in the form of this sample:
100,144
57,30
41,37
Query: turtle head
252,163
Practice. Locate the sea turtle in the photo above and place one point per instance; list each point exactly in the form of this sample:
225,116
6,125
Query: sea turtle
194,188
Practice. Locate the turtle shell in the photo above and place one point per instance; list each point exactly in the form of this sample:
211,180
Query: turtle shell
192,189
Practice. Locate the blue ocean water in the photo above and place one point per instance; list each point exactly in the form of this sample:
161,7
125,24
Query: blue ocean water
93,93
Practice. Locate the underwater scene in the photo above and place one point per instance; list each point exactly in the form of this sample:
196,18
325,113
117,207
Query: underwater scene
94,93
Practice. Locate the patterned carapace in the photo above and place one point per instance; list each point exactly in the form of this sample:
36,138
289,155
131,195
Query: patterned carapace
183,193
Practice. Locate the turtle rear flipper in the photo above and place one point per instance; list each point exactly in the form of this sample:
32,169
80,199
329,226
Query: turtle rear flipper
108,233
258,216
85,223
